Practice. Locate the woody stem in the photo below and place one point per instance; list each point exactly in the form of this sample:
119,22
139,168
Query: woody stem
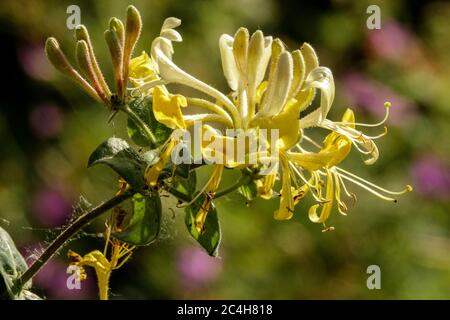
68,233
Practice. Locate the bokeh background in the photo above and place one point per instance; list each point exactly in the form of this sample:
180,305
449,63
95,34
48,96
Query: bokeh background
48,127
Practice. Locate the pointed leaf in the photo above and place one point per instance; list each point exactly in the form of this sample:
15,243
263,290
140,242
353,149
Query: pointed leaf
209,237
142,107
145,223
12,266
186,186
117,154
249,190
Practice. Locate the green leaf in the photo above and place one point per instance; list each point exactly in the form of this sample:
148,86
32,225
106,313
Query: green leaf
142,107
117,154
209,237
145,223
186,186
249,190
12,266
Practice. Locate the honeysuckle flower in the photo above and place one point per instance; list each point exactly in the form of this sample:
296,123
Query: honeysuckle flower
274,103
270,87
119,252
324,164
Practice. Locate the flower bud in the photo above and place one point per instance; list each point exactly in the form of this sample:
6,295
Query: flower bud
115,49
132,32
60,62
240,50
117,26
310,57
57,57
298,73
85,63
81,33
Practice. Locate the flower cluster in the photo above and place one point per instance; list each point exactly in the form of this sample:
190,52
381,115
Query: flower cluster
271,89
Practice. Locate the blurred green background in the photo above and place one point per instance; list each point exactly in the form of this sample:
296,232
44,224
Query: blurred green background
48,128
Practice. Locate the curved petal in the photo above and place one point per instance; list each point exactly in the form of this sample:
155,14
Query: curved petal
167,109
228,62
320,78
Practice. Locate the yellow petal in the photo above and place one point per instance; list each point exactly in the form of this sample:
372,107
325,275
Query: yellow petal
286,202
152,173
167,108
299,193
142,67
349,118
286,122
102,267
260,91
326,207
217,148
311,161
211,189
265,190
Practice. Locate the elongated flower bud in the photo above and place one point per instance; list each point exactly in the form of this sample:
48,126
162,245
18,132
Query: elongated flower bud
81,33
298,74
116,51
310,57
132,32
240,50
85,63
60,62
117,26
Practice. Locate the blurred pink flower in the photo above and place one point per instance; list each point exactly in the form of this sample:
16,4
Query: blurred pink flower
46,120
431,177
51,208
34,62
361,91
393,42
197,268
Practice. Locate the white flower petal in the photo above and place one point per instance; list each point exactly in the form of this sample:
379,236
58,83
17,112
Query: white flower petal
258,57
170,72
229,66
171,34
320,78
171,23
278,87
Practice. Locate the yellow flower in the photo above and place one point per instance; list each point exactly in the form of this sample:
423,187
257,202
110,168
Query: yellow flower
166,108
142,69
270,86
120,252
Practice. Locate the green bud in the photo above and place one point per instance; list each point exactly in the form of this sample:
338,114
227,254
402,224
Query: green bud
81,33
117,26
115,49
57,57
132,32
85,63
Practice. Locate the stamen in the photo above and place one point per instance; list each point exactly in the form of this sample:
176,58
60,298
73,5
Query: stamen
387,105
368,188
312,187
408,188
312,142
342,207
351,195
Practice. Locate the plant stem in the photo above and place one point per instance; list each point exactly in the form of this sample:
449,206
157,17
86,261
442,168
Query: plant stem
68,233
141,124
244,179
